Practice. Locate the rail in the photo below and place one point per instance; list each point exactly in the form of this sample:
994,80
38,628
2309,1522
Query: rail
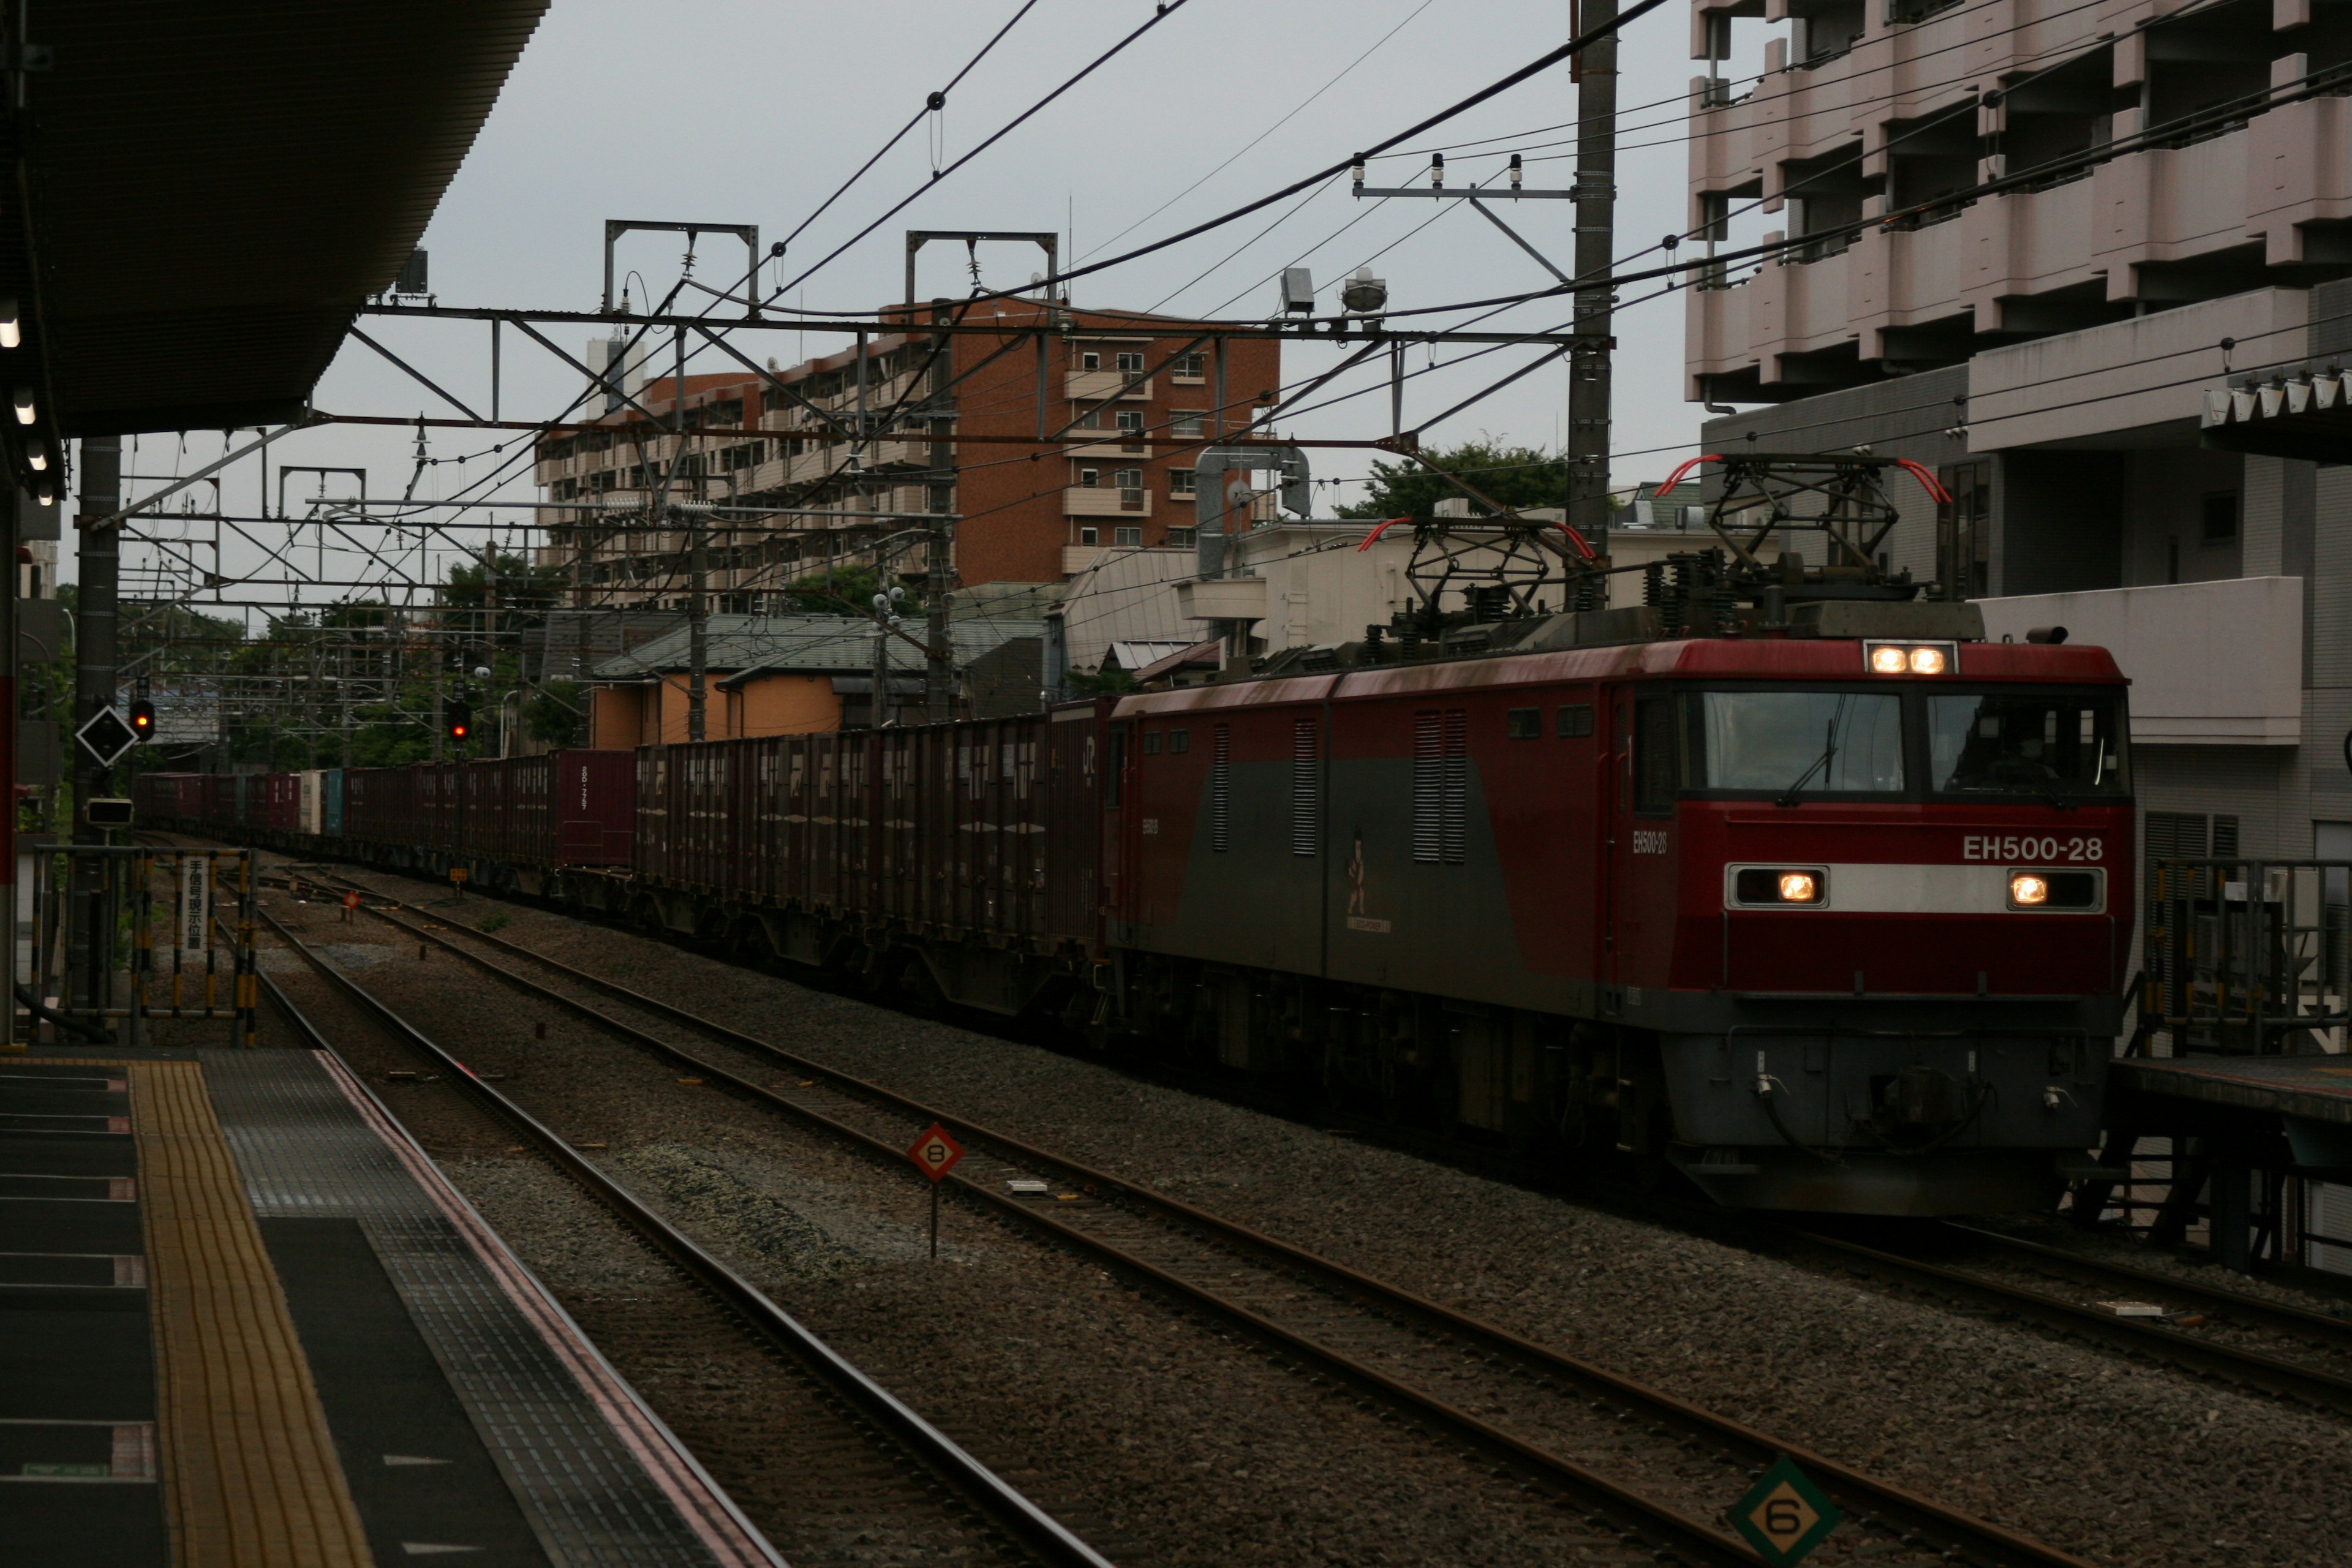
996,1497
1869,1501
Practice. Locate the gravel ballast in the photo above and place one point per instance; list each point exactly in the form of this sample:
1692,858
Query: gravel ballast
2117,1462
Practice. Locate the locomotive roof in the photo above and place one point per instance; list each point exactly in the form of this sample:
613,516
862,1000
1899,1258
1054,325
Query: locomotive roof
1731,658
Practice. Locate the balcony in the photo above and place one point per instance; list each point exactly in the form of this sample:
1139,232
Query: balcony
1112,444
1105,500
1094,385
2211,664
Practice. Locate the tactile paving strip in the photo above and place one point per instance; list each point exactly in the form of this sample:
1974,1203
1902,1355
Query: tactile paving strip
250,1476
599,1478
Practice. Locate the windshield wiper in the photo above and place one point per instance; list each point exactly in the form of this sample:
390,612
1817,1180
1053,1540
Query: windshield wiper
1828,752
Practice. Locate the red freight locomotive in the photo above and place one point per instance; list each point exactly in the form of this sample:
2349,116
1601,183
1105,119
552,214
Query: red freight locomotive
1830,924
1783,879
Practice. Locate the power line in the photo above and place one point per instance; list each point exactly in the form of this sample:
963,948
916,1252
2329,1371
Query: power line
1165,10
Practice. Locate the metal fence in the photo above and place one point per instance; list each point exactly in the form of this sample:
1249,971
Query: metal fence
169,935
2246,957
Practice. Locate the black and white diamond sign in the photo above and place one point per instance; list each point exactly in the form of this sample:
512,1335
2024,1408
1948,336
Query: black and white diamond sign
106,735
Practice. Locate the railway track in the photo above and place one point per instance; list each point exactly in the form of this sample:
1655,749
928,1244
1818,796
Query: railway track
870,1480
1651,1469
2287,1352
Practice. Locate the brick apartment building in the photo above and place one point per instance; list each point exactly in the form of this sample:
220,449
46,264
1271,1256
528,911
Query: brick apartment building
1134,397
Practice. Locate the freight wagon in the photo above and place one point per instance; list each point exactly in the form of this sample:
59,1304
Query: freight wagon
1833,918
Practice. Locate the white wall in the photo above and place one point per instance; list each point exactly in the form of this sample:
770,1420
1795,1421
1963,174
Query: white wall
2213,664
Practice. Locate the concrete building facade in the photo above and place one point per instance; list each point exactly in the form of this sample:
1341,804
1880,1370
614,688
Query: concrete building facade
1127,399
2129,374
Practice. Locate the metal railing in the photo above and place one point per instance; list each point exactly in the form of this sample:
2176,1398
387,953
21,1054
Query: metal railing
170,935
2247,956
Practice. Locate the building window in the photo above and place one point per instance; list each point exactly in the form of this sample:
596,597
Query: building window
1190,367
1128,478
1129,419
1131,362
1090,536
1184,424
1183,538
1964,531
1090,362
1127,535
2220,517
1088,478
1180,483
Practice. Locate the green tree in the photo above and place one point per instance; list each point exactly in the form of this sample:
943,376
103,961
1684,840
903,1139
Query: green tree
553,715
1513,476
851,593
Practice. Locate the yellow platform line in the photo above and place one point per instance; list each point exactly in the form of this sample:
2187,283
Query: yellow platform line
248,1466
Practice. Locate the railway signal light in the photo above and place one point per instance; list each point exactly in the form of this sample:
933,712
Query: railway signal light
143,718
458,719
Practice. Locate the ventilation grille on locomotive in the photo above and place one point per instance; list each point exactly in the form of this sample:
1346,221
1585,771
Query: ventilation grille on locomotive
1306,788
1441,785
1221,788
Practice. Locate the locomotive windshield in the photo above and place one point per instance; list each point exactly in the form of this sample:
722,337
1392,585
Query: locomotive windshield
1797,743
2054,744
1795,746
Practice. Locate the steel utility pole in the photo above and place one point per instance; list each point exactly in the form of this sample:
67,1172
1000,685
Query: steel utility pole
9,709
1596,224
939,671
94,675
697,565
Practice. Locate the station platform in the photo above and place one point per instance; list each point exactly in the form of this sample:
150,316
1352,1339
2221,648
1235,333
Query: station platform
2318,1088
248,1322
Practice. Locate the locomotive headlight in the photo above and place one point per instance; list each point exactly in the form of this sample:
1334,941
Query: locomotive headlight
1910,657
1779,887
2028,890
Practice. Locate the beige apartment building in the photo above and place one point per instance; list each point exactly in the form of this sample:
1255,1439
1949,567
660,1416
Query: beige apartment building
2128,367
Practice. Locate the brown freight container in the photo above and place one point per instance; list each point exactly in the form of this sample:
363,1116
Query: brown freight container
592,801
1075,821
438,807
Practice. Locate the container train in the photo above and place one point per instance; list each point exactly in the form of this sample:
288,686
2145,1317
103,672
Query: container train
1831,922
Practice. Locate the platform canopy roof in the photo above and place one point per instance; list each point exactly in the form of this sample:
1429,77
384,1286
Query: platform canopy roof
215,189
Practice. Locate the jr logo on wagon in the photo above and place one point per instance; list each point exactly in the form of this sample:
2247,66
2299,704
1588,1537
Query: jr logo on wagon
2027,847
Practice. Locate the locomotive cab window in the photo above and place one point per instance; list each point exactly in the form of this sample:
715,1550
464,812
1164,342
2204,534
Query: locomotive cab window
1795,744
2050,744
1657,770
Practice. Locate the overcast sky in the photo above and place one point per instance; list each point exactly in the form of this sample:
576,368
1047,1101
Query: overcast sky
754,111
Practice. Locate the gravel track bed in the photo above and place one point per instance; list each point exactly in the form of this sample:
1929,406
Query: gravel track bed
1159,1437
2119,1462
1693,1478
821,1485
2111,1246
2320,1354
